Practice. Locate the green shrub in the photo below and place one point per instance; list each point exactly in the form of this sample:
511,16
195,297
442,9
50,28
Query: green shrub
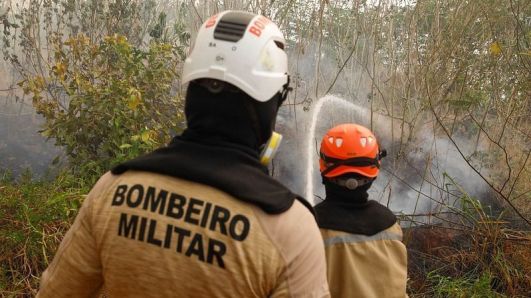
470,287
109,101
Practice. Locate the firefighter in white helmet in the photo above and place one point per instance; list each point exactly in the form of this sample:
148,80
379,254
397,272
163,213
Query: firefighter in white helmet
202,217
363,241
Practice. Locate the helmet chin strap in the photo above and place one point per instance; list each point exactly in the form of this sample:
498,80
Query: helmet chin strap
285,91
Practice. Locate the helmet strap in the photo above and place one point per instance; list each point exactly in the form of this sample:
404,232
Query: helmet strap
353,162
333,163
285,90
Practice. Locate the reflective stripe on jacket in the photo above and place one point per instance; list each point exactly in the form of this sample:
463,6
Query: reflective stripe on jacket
141,234
366,266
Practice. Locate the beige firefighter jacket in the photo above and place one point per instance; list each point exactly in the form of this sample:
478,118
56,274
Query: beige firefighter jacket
366,266
141,234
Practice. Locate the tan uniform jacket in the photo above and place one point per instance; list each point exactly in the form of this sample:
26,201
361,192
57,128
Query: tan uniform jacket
141,234
366,266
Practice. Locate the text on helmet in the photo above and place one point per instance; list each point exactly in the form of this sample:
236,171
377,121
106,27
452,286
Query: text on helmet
211,21
259,25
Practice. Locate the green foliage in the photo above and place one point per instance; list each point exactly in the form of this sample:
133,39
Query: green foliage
470,98
109,101
34,215
104,74
446,287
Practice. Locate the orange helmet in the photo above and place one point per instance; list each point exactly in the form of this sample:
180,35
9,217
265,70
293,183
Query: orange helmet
350,148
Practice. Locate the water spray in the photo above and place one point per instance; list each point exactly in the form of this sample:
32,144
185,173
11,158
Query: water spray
310,157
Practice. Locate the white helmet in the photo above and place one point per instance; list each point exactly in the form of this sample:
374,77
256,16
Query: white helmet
243,49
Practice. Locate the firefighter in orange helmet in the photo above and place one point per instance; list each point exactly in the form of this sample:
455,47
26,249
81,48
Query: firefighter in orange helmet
364,252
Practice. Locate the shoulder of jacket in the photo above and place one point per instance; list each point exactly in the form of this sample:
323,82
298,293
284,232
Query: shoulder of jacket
292,229
104,182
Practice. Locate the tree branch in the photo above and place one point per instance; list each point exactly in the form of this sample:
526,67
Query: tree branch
344,64
518,175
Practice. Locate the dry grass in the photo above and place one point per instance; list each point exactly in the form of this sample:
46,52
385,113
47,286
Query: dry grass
488,260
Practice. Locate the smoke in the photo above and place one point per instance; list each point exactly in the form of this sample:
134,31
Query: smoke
425,178
432,174
423,173
21,146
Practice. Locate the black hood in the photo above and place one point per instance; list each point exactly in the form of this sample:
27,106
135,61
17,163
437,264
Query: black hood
220,149
230,116
351,211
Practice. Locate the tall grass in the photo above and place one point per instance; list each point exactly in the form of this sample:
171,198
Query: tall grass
34,215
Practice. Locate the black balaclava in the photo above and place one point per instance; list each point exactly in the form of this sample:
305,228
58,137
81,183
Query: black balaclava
357,196
220,147
230,116
351,211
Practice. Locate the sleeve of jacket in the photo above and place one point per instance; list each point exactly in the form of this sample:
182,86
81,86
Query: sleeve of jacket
76,268
296,235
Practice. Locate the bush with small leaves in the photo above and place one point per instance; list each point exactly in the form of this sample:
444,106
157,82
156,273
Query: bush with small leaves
109,101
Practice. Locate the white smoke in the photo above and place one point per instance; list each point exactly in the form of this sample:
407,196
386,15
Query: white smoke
21,145
420,181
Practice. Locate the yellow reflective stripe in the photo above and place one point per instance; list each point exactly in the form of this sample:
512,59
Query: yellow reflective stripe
354,238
